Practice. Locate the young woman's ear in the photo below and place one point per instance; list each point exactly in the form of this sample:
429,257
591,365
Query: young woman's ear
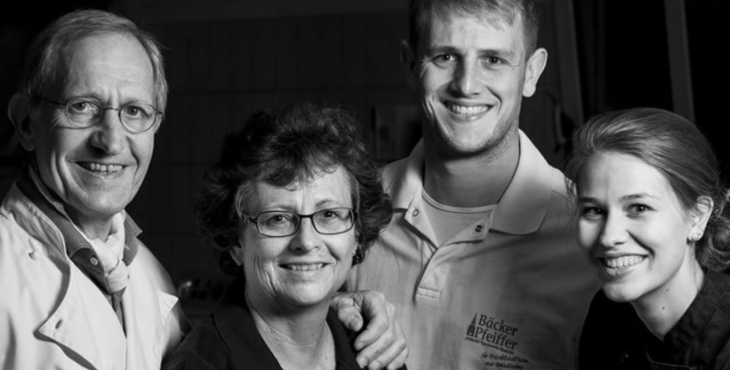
19,115
700,215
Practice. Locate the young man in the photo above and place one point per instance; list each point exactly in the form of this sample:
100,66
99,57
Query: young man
479,258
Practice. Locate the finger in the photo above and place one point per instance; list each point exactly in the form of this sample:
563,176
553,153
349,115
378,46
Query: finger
370,352
347,311
393,357
378,313
399,361
375,330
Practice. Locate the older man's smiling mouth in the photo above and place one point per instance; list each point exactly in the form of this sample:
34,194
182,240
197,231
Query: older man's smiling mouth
101,168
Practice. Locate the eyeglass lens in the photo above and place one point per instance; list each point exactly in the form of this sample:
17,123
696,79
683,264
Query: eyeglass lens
327,221
84,112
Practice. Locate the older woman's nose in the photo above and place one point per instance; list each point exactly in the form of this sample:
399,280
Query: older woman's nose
306,238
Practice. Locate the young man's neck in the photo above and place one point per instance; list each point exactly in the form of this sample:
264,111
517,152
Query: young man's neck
475,181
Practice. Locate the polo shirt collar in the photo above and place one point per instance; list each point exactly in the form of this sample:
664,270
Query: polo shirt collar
524,204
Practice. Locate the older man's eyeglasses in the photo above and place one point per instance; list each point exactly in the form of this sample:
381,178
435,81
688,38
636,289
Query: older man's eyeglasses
85,112
327,222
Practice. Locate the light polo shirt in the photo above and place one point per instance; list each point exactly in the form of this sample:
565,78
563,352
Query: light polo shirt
508,292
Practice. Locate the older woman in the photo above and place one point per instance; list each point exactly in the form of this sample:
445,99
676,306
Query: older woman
295,201
653,217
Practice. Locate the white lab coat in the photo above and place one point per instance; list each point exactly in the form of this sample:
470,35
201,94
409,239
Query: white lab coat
52,316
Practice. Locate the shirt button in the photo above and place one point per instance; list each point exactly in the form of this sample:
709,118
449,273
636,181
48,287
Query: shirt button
31,255
479,228
94,261
415,213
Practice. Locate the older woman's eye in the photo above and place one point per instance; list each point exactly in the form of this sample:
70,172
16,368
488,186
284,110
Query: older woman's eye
277,219
328,214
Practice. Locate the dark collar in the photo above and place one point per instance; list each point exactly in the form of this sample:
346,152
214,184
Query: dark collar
77,247
698,315
75,242
238,331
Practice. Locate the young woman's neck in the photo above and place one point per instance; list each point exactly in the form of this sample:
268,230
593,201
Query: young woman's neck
662,309
298,338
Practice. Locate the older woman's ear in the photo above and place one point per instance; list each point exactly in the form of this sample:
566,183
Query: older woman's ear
700,215
235,254
357,255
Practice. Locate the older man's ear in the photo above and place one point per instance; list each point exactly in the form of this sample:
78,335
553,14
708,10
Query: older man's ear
19,115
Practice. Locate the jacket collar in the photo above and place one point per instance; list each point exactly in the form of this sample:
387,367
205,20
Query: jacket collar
238,331
700,318
524,204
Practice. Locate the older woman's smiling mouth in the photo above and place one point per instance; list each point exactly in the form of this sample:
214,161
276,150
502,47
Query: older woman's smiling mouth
303,266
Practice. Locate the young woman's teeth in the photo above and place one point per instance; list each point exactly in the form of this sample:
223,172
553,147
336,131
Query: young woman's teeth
107,168
464,110
311,267
619,262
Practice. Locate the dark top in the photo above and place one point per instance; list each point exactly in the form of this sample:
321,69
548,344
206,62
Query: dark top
228,339
614,337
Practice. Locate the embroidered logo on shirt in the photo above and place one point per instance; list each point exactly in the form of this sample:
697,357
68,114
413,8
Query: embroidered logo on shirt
497,337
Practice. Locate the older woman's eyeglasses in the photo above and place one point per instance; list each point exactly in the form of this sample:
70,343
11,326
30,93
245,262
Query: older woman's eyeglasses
327,222
85,112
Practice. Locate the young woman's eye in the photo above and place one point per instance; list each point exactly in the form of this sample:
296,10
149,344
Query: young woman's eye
638,208
592,212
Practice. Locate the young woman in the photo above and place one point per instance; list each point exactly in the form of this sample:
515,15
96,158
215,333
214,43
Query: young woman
652,218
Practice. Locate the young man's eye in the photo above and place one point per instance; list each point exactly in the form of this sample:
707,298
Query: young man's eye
492,61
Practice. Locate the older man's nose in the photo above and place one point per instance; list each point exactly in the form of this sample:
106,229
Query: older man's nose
109,135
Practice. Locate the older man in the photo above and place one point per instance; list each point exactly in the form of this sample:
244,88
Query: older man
488,274
79,290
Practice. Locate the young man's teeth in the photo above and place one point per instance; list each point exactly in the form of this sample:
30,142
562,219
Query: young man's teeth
460,109
625,261
311,267
96,167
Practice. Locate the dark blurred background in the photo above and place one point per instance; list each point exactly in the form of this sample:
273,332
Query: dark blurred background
226,58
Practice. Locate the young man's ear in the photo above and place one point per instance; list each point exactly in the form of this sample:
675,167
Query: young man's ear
19,115
535,65
408,60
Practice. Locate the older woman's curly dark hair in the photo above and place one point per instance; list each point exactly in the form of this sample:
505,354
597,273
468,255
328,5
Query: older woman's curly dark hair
288,145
